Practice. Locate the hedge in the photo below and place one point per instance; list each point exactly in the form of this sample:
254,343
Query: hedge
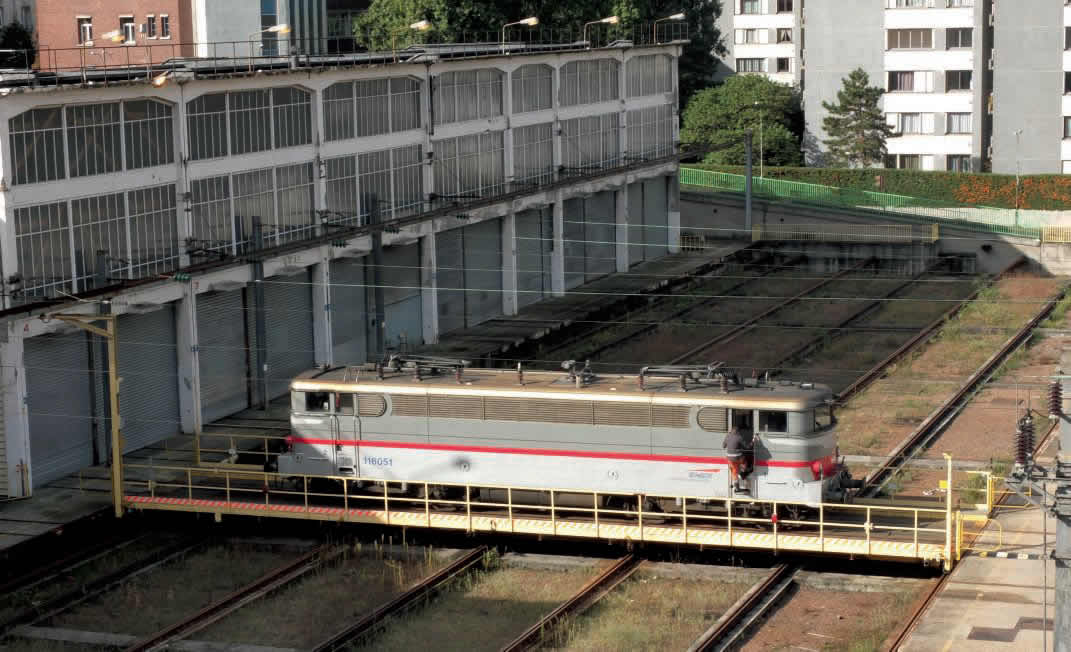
1037,192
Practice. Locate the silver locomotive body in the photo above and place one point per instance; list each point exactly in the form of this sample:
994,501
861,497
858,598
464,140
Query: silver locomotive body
546,431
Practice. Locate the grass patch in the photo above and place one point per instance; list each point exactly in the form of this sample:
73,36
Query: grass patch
878,626
1058,317
647,613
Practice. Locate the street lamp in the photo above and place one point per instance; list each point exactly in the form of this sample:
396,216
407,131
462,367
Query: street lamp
759,106
609,20
281,28
1018,172
528,22
654,33
419,26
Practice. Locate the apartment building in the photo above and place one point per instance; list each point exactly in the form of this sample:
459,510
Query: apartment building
18,11
971,85
762,37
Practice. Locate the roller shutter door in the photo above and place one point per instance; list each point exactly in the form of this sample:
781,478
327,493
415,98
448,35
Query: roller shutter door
450,279
656,217
4,490
637,233
599,233
224,360
483,271
349,320
533,256
60,408
288,313
573,242
401,298
148,366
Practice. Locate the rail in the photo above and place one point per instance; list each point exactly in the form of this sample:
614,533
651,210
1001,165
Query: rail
940,418
1001,221
920,338
583,600
271,581
421,590
729,630
899,533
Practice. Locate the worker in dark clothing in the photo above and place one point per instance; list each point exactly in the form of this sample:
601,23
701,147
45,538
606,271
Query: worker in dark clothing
736,448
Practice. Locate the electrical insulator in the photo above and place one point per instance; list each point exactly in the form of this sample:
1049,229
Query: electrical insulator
1024,441
1056,399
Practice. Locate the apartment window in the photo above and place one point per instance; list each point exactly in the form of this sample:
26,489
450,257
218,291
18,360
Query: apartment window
26,16
958,80
902,81
126,28
959,163
784,35
2,21
750,7
906,162
959,123
85,31
784,64
748,36
150,26
959,3
910,39
165,26
784,6
1067,82
906,4
269,17
959,37
1067,167
910,123
751,65
1067,126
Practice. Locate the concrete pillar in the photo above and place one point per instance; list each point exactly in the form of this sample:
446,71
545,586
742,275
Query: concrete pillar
673,219
9,253
429,293
557,252
507,135
16,436
184,225
621,233
321,310
509,265
189,360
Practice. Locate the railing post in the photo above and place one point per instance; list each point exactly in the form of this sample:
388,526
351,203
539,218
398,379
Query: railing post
468,505
509,506
822,526
427,505
553,517
386,502
595,501
639,510
684,517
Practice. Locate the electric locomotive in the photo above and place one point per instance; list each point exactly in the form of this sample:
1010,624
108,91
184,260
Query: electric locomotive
416,422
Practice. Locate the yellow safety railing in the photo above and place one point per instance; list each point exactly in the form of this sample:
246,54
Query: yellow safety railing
962,534
870,530
1056,234
224,449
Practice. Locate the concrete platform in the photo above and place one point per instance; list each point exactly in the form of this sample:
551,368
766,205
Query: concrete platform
48,511
995,603
536,321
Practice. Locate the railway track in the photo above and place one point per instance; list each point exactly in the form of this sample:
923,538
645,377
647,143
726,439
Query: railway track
729,632
583,600
936,422
95,587
919,339
739,330
270,582
375,619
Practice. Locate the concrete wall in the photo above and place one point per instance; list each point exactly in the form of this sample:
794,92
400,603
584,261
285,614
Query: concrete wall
842,35
232,24
1028,86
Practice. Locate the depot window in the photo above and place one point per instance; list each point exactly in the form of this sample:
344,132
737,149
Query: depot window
773,421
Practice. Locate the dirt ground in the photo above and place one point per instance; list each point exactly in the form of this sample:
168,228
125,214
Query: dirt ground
832,621
892,408
648,613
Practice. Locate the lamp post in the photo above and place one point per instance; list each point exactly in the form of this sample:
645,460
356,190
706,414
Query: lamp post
281,28
419,26
654,28
1018,173
759,106
528,22
609,20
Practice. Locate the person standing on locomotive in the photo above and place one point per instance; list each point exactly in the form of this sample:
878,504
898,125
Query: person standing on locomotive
737,445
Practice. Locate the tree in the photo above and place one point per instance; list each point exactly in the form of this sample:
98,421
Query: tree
718,117
855,125
14,36
468,20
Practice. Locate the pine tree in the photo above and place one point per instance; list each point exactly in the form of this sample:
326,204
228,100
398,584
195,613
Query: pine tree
856,126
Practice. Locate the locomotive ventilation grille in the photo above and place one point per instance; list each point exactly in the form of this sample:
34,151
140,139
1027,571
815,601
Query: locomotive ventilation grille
492,408
714,419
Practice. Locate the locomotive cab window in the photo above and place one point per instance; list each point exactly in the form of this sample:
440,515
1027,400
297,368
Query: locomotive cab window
771,421
823,417
317,401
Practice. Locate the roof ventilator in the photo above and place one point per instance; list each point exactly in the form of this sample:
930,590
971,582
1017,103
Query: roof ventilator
426,365
579,375
697,374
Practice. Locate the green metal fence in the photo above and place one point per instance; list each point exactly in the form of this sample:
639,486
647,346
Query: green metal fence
978,218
